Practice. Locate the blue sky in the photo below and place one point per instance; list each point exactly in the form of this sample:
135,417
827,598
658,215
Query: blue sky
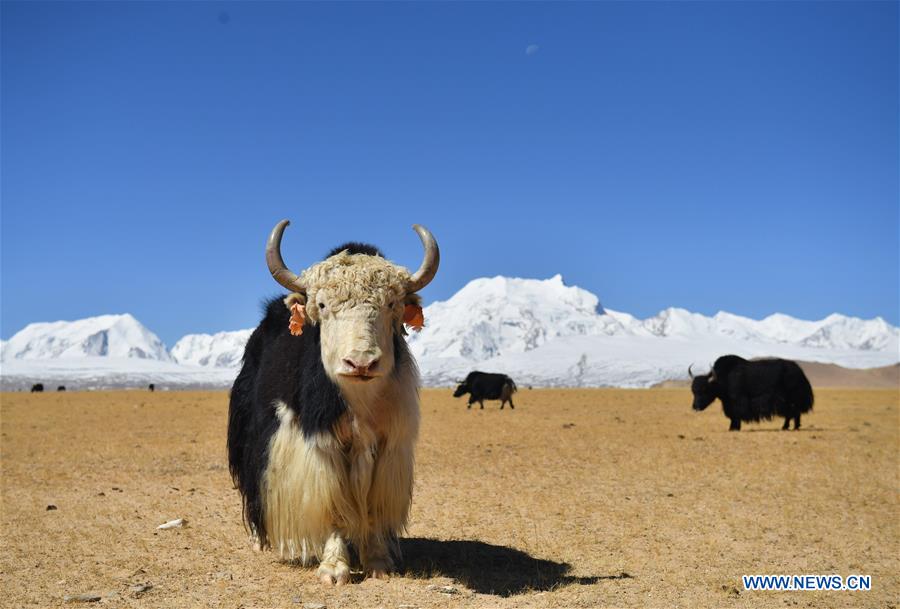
735,156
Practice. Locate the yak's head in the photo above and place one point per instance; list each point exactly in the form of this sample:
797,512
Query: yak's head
705,389
358,301
462,390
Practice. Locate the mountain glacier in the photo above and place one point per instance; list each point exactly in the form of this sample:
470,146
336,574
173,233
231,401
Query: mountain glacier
542,332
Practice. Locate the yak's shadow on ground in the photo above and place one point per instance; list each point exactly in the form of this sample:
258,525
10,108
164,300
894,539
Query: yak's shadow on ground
486,568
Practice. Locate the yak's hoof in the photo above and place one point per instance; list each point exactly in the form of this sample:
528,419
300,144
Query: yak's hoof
382,574
334,574
380,568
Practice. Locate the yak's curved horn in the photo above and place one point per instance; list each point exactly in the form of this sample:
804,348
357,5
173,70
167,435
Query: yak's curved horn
430,261
690,374
279,270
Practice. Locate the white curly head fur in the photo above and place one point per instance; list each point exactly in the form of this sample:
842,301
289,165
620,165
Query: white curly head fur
358,301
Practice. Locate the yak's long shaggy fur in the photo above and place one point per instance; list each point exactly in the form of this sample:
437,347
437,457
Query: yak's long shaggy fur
318,463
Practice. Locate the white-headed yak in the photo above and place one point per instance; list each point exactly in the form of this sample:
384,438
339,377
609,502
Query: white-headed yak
325,411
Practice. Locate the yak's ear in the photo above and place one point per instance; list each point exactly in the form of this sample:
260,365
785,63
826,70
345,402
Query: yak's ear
294,298
412,299
412,312
296,304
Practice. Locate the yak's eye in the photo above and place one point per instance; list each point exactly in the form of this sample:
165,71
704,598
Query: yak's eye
391,305
321,306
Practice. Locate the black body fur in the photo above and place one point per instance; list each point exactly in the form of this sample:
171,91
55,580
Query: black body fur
751,391
486,386
37,388
278,366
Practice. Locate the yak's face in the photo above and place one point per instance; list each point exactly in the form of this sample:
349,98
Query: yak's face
704,391
358,301
462,390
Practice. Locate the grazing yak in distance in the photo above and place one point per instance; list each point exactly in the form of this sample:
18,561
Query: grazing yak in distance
37,388
324,413
61,388
752,390
487,386
151,387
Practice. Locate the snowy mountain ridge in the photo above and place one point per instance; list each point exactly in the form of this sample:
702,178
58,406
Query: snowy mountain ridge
101,336
542,332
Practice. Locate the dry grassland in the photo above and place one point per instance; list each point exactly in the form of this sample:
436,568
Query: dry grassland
578,498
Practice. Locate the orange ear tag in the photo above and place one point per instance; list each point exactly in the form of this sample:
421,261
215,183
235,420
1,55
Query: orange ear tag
298,318
413,317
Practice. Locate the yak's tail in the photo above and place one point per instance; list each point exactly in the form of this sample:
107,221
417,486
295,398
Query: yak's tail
802,392
512,386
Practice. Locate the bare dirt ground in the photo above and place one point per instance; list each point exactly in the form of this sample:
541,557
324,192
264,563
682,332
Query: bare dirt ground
578,498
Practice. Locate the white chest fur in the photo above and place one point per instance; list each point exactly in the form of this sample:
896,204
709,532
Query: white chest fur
355,481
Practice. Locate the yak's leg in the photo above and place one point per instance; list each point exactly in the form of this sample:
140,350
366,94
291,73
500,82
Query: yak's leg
471,401
378,562
796,423
335,565
389,500
511,405
735,425
787,422
482,404
502,404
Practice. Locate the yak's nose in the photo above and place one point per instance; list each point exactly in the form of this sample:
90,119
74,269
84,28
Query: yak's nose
361,365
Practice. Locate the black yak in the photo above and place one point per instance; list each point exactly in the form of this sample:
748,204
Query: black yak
753,390
324,413
37,388
487,386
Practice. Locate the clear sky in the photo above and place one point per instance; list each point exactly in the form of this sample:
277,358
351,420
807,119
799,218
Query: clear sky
736,156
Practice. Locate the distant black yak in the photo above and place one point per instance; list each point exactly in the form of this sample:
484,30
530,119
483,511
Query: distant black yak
487,386
754,390
151,387
37,388
61,388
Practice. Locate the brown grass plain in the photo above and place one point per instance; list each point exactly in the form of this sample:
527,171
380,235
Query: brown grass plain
577,498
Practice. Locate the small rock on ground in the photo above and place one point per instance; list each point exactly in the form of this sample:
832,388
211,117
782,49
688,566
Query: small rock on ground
81,598
139,589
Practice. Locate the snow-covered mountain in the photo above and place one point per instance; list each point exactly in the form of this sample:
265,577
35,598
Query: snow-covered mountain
546,333
101,336
107,351
220,350
542,332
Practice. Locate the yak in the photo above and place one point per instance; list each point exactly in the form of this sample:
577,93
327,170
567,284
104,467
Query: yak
37,388
487,386
324,413
753,390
